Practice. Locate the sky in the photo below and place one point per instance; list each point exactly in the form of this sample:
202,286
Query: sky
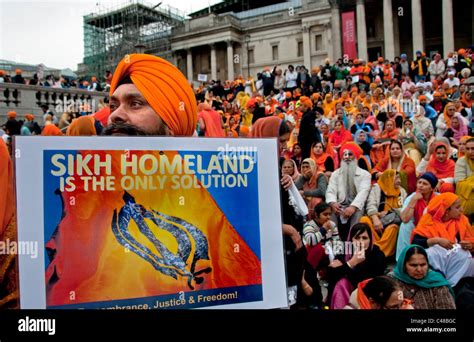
51,32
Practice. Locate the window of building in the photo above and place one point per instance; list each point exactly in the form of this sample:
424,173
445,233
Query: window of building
319,42
300,49
251,56
275,52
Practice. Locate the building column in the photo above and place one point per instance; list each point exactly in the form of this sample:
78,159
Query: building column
361,30
417,26
389,40
213,62
448,29
189,64
336,31
306,48
230,60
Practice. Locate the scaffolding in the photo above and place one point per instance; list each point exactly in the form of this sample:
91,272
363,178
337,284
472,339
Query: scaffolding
112,33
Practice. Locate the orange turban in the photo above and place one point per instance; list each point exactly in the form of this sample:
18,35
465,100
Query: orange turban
82,126
51,130
18,71
422,97
164,87
268,127
11,115
2,72
251,103
353,147
306,101
29,117
288,94
437,93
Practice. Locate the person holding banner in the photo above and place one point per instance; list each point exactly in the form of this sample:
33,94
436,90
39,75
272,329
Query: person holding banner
92,251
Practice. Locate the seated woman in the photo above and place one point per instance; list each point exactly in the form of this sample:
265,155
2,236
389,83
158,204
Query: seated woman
397,160
361,125
361,139
288,167
457,130
437,161
324,160
312,184
413,209
464,178
448,236
339,136
425,288
382,292
383,210
413,141
390,131
364,261
321,237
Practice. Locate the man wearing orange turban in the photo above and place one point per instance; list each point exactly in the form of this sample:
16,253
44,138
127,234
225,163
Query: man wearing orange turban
153,95
348,189
448,237
101,254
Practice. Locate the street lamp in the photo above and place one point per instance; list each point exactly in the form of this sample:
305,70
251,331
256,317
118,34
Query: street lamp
247,40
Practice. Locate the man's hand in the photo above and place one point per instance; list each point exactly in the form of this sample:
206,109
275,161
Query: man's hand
286,182
349,211
336,207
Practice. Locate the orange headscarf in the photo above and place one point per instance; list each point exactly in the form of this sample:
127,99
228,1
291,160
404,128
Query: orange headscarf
11,115
445,114
431,224
467,103
82,126
164,87
463,140
268,127
362,299
441,170
51,130
393,134
321,159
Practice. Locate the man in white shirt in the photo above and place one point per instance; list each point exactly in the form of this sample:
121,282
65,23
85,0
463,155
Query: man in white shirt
290,77
451,80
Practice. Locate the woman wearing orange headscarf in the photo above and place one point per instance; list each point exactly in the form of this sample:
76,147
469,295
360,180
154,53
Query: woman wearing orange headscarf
444,121
378,293
340,135
8,275
399,161
439,230
437,161
390,130
324,161
383,209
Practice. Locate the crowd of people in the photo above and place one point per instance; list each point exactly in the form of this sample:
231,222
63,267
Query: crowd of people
91,84
377,162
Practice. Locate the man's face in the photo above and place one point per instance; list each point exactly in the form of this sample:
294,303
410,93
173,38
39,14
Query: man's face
347,156
129,107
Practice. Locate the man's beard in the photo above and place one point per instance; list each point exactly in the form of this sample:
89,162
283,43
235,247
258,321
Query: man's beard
122,128
348,170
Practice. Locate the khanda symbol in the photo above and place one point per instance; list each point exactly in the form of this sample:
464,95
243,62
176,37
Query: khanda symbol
167,262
